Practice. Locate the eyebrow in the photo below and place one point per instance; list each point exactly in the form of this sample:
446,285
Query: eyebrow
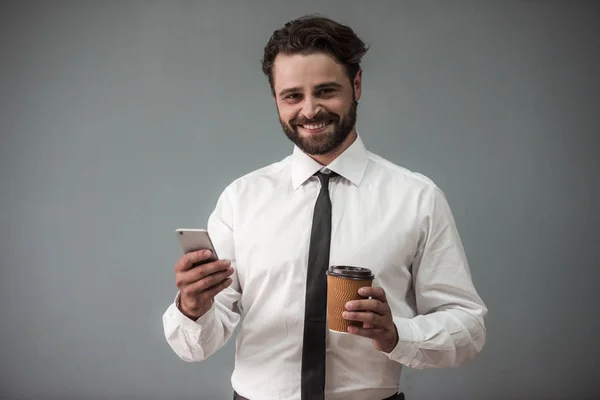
320,86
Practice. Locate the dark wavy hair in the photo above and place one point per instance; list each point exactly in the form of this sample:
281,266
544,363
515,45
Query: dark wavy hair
315,34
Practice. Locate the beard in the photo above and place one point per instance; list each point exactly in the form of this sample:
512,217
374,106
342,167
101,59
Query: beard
327,141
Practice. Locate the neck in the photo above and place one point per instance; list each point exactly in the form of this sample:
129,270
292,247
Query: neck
327,158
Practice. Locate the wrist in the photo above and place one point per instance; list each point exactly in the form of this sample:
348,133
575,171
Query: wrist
393,341
194,315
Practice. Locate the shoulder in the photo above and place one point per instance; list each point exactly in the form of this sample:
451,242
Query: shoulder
260,179
399,174
420,190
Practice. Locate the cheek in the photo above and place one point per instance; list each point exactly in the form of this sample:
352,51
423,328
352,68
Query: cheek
338,106
287,113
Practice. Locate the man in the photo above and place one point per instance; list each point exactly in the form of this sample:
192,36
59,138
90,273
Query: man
277,230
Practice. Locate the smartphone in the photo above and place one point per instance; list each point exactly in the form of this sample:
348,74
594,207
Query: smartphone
194,240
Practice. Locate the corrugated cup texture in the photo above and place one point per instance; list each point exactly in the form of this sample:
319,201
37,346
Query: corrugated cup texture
341,290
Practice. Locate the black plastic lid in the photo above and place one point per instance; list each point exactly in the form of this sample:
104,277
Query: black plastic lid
349,272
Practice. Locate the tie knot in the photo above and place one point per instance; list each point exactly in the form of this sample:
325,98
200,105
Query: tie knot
324,178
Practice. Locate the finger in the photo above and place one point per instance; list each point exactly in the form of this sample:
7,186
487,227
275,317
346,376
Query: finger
372,319
371,333
371,305
191,277
374,292
187,277
206,283
210,293
189,260
208,269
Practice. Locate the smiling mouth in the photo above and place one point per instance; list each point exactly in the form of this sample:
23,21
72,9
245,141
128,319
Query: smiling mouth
315,128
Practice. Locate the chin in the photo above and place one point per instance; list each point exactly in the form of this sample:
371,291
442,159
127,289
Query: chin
315,137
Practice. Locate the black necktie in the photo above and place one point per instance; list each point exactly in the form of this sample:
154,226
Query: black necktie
315,314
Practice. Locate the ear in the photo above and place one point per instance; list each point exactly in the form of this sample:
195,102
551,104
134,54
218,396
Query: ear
357,85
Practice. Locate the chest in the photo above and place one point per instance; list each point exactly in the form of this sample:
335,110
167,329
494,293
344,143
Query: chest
372,227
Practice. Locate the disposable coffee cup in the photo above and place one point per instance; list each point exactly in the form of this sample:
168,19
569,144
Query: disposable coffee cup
343,283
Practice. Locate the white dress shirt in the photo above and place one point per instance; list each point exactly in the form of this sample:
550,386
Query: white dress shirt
384,217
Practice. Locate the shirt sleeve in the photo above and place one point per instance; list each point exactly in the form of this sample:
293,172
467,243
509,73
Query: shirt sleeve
449,328
197,340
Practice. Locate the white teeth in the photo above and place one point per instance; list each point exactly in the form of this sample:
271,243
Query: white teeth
318,126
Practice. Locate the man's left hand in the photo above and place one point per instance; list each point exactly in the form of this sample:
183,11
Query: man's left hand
376,316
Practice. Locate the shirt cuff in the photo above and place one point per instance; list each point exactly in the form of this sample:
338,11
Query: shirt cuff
408,343
205,322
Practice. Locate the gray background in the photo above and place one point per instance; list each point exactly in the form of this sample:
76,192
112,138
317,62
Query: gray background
122,121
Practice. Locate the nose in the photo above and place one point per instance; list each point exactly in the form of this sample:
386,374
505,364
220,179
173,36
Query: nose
311,107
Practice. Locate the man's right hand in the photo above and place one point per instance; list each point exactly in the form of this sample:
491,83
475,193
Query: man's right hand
198,285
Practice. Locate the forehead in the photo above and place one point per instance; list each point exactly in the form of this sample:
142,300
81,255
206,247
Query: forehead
305,71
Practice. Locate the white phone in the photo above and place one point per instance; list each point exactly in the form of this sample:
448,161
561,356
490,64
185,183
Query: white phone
194,240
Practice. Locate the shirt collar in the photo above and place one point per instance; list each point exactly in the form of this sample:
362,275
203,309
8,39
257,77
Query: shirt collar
351,164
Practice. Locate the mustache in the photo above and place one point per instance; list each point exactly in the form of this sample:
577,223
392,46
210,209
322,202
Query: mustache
320,117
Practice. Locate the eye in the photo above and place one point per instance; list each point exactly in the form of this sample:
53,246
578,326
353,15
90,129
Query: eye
292,96
325,92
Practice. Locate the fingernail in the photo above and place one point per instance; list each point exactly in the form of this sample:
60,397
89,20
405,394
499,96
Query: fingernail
206,253
362,291
345,314
348,306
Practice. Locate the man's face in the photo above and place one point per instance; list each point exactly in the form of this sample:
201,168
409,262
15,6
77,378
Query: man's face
315,100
